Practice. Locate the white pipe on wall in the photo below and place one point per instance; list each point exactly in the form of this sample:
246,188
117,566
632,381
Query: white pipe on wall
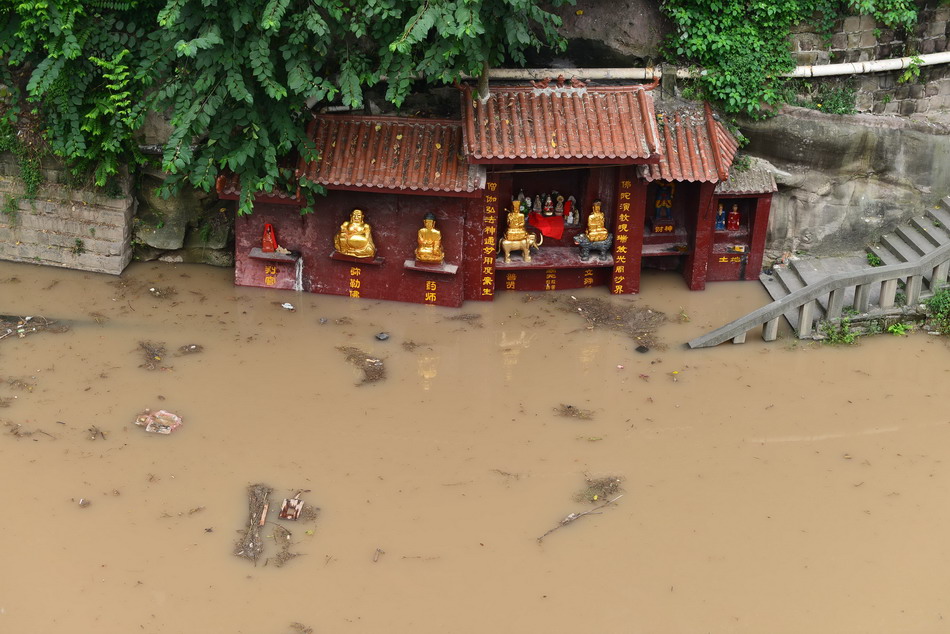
820,70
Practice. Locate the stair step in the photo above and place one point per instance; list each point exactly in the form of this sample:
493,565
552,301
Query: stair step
934,233
914,239
940,215
777,291
884,255
788,278
893,243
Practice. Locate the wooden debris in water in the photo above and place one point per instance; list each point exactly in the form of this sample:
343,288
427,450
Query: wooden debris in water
283,537
573,517
95,433
623,316
472,319
251,544
598,489
300,628
290,508
372,367
20,327
153,353
569,411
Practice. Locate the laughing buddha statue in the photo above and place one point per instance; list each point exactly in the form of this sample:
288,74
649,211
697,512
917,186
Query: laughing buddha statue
355,238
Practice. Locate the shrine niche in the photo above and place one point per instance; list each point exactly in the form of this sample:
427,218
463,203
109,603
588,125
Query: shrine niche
551,187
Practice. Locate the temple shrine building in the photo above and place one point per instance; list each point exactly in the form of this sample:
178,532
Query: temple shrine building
661,176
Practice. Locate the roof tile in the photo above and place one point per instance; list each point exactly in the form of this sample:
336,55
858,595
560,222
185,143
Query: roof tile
561,125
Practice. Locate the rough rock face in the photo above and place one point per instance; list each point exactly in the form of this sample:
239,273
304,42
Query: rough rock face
603,34
844,180
193,225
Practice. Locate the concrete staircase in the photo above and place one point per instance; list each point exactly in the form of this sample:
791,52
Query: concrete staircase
913,263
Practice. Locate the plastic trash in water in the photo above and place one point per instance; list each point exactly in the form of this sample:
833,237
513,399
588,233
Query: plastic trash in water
160,422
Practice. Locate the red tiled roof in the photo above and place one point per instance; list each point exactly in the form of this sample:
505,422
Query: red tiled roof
561,125
751,181
391,154
696,148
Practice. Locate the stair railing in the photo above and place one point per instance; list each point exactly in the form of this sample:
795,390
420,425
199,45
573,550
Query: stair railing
936,263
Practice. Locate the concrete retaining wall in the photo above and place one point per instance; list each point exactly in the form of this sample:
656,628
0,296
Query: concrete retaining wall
65,227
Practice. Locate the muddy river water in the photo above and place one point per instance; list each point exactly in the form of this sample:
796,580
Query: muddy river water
766,487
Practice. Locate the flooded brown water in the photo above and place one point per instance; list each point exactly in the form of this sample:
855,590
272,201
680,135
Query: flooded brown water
769,488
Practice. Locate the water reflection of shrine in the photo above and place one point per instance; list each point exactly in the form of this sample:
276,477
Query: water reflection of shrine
660,174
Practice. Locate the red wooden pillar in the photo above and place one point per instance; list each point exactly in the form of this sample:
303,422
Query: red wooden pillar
697,262
760,226
481,243
628,232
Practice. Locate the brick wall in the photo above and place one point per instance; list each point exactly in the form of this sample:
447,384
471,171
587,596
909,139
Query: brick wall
861,39
62,226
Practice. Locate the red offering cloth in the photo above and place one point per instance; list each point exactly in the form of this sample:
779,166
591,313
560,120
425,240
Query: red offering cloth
549,226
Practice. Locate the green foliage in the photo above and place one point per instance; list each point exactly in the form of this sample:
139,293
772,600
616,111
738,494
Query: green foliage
742,163
239,77
912,72
899,329
838,333
938,309
874,259
11,208
71,64
241,73
78,248
743,45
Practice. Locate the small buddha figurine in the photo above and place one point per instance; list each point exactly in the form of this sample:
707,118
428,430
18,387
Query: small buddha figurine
721,219
537,204
430,241
548,209
732,220
596,224
559,207
516,230
355,238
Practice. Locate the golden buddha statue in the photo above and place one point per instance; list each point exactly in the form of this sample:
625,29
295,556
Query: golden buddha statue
355,238
516,230
430,241
596,224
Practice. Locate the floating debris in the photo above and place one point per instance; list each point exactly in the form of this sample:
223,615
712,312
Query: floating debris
569,411
24,326
251,544
191,348
599,489
152,353
473,319
372,367
290,508
382,336
160,422
288,306
624,316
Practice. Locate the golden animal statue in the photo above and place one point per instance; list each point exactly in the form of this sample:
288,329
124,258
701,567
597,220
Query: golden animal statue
596,224
355,237
429,240
524,245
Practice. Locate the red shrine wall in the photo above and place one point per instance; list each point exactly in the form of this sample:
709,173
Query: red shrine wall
691,242
395,221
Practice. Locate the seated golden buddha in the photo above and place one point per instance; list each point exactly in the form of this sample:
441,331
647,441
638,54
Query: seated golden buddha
596,224
355,237
429,240
516,230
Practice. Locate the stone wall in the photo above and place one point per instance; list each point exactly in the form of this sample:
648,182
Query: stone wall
862,39
63,226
